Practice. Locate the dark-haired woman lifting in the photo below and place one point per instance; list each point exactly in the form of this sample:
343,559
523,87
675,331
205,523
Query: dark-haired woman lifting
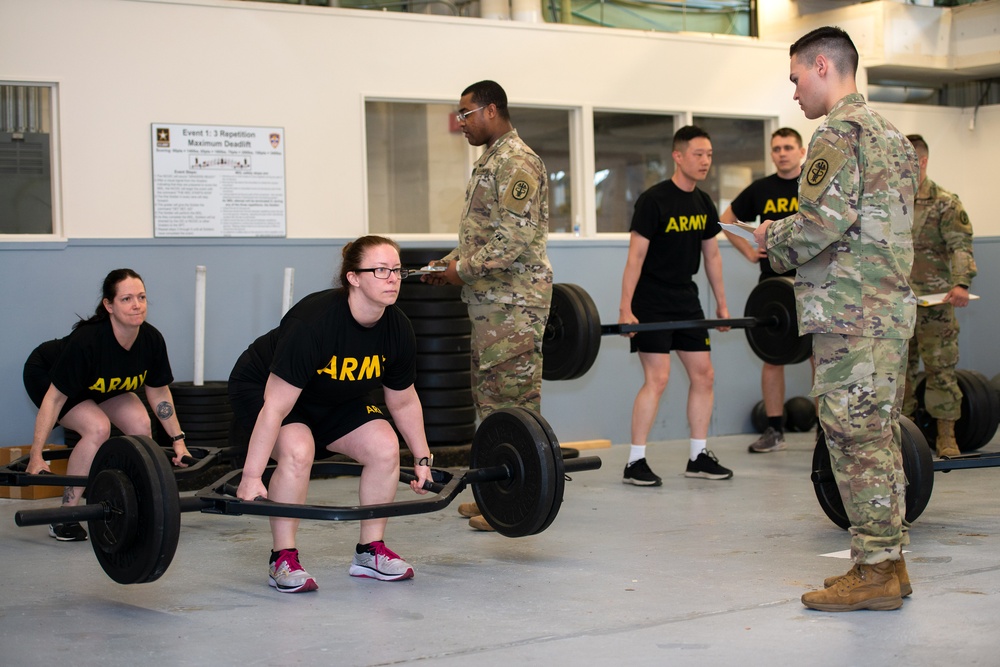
87,382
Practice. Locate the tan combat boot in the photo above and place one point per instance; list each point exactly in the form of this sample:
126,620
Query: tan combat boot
872,587
904,578
946,445
479,522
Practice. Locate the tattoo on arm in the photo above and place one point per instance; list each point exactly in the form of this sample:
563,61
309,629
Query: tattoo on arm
164,410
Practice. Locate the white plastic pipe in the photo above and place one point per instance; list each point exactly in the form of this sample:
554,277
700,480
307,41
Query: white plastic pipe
287,290
199,326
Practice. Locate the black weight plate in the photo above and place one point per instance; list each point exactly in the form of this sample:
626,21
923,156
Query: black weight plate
569,331
593,340
440,380
450,433
558,455
434,416
443,344
414,290
778,344
443,362
520,505
181,390
200,419
200,409
433,309
115,490
445,398
454,326
987,408
918,466
995,383
800,414
158,519
972,426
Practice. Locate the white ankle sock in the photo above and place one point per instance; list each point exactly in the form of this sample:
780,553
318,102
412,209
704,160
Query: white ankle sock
637,452
697,447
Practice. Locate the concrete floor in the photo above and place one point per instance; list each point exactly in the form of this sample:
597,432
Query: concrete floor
693,572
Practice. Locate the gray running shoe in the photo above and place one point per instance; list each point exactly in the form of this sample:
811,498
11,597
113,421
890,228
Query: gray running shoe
769,441
68,532
379,562
287,576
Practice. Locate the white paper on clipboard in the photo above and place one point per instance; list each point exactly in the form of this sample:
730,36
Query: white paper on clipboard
938,299
742,229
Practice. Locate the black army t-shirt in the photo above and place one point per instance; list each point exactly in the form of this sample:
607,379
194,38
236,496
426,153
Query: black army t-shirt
94,365
320,348
772,198
675,222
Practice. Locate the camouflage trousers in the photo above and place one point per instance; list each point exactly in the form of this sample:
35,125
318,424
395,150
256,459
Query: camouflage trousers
858,387
935,340
506,356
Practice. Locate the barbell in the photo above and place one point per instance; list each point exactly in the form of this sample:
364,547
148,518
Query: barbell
573,331
133,507
919,467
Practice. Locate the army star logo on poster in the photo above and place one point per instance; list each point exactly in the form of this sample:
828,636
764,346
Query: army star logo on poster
817,171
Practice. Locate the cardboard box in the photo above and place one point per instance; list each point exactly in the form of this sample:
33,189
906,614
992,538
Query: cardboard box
8,454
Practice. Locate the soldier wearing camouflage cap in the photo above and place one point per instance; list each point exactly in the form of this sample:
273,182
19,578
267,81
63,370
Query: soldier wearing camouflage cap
942,262
501,260
850,243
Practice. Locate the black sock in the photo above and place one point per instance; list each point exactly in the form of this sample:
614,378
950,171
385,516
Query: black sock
362,548
275,554
775,423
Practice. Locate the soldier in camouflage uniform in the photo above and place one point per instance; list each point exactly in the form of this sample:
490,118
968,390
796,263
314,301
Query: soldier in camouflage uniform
850,243
942,263
501,260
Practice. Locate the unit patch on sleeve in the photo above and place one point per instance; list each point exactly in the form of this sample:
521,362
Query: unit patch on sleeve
520,190
822,166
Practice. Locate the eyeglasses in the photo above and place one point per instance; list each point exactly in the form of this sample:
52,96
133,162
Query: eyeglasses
462,115
383,272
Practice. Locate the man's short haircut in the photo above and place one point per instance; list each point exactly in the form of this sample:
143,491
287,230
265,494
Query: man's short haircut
919,144
485,93
683,136
831,42
787,132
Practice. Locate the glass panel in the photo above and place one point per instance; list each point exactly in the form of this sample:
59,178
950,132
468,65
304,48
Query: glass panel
631,154
25,159
419,165
739,156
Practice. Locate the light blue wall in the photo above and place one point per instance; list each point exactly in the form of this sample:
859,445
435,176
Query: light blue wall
46,285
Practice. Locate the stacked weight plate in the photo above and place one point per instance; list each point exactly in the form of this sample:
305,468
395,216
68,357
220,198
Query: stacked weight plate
204,413
441,324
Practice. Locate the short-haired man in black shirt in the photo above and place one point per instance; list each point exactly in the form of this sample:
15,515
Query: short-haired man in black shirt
673,227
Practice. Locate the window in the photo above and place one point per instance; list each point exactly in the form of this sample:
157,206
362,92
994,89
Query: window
631,154
25,158
419,165
739,156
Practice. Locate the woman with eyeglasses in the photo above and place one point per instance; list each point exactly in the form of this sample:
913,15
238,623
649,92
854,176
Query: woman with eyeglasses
88,381
303,389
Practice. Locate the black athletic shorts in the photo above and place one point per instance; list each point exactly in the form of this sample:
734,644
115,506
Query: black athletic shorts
671,306
326,423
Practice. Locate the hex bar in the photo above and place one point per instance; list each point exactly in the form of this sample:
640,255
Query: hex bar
971,461
736,323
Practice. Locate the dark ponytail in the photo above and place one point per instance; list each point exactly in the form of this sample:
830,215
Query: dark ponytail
354,252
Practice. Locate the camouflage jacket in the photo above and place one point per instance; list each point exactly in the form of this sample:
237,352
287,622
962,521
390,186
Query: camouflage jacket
942,242
505,228
850,240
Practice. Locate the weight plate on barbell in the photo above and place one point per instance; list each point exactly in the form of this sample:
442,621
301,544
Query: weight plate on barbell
572,336
114,490
522,504
778,344
157,514
558,453
918,467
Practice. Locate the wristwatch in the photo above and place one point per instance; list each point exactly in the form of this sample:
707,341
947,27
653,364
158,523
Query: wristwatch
425,461
179,436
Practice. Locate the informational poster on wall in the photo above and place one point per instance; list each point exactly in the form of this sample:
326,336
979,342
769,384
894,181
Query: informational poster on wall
218,181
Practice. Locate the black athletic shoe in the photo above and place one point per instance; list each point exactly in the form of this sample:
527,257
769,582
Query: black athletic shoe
68,532
638,473
707,466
